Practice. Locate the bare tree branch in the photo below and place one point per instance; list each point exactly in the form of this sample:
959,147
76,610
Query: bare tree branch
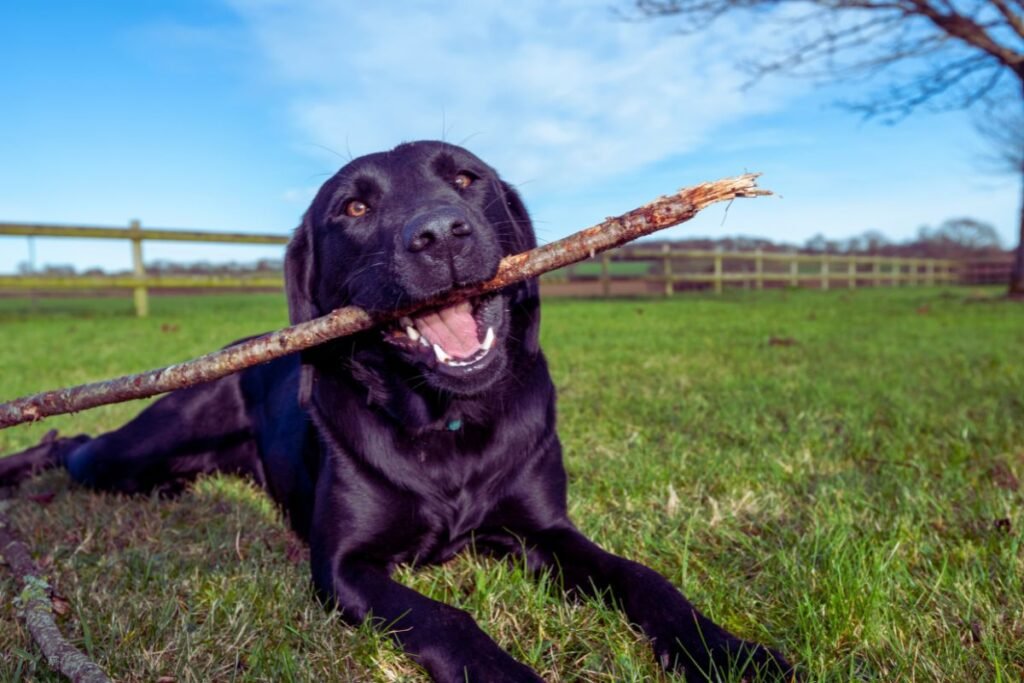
966,29
935,54
34,606
831,45
943,78
1003,129
848,39
659,214
1014,21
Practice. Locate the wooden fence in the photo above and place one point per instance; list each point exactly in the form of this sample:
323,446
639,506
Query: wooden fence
632,270
671,270
987,271
140,281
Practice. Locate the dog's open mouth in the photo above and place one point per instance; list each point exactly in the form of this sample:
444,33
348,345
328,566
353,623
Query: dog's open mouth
459,336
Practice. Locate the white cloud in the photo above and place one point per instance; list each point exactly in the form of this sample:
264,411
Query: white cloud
559,90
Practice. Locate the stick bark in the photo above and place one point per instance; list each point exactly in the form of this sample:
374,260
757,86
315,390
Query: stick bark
661,213
34,607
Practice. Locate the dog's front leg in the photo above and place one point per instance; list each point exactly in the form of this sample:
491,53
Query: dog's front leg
350,574
443,639
682,638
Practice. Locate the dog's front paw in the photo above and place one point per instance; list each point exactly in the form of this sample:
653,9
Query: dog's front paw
752,662
728,658
487,665
516,674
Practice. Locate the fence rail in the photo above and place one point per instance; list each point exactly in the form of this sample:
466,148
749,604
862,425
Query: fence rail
633,270
140,282
135,231
672,269
148,282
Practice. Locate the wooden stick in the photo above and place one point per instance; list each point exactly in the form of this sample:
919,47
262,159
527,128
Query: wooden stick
662,213
34,606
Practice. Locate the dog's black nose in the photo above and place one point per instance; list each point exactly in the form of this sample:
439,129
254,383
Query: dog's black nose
435,229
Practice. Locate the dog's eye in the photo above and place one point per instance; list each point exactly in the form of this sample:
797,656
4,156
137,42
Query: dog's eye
463,180
355,208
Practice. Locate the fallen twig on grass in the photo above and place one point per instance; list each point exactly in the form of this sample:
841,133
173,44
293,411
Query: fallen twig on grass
662,213
35,607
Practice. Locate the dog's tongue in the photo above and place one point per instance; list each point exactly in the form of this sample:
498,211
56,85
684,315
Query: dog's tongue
452,328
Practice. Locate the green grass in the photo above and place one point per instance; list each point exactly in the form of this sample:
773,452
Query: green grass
593,269
852,497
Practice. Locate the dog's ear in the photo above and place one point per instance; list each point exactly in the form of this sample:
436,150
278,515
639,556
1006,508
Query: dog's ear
299,274
526,301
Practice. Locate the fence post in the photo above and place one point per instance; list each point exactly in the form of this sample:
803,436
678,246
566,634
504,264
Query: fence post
824,271
141,295
758,269
851,271
794,270
33,300
606,282
669,287
718,270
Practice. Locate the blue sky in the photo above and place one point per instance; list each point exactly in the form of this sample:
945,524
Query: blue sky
227,115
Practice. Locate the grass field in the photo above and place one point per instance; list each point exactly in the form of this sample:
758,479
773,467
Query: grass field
836,474
593,269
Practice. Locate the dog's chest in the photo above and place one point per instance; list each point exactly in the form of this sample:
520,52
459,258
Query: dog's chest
449,525
463,491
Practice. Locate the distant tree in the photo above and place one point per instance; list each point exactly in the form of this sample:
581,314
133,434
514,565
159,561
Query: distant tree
937,54
956,238
968,233
1004,130
874,241
816,243
854,245
821,244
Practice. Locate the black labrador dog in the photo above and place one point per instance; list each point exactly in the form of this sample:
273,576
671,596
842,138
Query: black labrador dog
405,444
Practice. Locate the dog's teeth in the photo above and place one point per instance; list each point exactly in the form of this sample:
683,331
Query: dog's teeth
441,355
411,331
488,339
424,342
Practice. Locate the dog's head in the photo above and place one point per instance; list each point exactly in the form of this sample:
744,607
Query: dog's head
396,228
